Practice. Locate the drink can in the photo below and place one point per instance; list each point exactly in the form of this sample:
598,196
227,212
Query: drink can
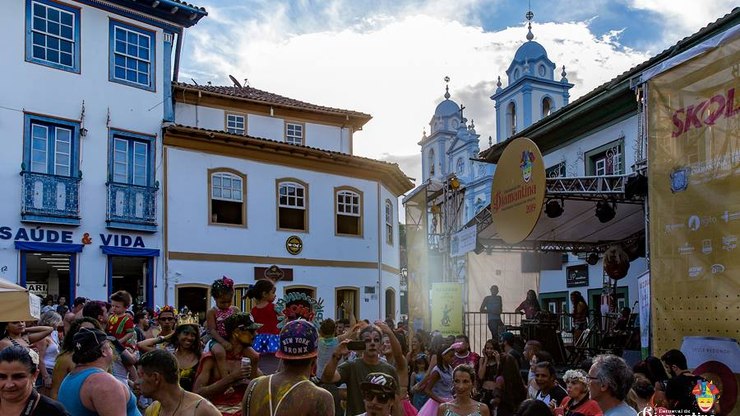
246,362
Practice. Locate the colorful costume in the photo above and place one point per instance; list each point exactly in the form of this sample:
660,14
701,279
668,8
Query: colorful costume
266,340
120,326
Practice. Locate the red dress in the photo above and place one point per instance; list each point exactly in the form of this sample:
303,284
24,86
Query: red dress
267,339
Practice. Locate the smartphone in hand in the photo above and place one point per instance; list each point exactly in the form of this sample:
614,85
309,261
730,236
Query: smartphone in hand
356,345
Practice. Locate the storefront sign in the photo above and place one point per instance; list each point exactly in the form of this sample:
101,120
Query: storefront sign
273,273
576,276
518,190
40,289
36,234
294,245
39,235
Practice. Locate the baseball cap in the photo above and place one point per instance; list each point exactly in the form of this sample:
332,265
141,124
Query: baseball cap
379,382
298,340
87,339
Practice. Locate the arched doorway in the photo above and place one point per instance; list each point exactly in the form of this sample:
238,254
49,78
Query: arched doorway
390,304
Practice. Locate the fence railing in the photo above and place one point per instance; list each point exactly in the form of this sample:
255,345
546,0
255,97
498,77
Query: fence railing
50,195
132,204
476,327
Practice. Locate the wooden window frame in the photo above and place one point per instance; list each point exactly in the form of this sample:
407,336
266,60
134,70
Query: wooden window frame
306,204
361,215
243,177
234,113
356,306
590,157
303,131
389,231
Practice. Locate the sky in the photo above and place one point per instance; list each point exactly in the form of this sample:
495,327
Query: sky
389,58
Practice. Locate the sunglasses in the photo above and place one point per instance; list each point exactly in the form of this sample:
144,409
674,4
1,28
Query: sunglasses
381,398
166,319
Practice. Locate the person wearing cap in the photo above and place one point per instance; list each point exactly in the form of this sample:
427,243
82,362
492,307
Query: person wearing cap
290,391
378,394
89,389
354,372
226,390
159,380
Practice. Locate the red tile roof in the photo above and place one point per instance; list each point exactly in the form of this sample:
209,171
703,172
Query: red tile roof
264,97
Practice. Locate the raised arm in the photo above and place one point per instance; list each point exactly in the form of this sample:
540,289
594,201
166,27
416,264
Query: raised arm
330,374
396,350
37,333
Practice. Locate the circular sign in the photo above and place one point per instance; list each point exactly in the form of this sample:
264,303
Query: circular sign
518,190
294,245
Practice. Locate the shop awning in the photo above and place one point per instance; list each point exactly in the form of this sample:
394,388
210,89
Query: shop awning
130,251
17,303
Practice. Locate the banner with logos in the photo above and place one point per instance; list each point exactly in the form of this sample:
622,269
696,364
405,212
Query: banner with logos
463,241
643,303
447,308
694,178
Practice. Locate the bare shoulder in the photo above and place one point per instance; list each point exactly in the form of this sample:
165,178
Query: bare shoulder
318,400
205,408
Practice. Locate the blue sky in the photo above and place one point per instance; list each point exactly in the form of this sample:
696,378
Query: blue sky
389,57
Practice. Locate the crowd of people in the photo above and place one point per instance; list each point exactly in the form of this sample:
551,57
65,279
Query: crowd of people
107,358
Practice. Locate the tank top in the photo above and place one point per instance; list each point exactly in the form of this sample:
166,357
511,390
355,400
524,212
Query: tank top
267,317
50,358
69,394
221,315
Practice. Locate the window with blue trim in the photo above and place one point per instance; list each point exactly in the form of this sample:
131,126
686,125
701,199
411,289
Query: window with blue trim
53,35
52,146
132,55
131,159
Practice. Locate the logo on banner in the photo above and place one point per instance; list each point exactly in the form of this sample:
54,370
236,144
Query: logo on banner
705,393
679,180
526,164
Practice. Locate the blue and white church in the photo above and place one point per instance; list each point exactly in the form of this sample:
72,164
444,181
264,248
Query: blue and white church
532,93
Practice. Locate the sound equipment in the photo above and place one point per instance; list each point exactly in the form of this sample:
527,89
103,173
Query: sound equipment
547,334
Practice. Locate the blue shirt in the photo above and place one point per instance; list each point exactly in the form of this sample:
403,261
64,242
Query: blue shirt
69,394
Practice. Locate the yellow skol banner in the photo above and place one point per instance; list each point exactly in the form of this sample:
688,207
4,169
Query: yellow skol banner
447,308
694,200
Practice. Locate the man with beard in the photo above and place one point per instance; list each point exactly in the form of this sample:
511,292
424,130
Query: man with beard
159,380
226,390
354,372
166,320
679,387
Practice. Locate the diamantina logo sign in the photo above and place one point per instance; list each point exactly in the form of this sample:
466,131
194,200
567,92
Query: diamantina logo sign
706,393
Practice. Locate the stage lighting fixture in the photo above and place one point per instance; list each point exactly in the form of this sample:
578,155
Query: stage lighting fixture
553,208
592,258
605,212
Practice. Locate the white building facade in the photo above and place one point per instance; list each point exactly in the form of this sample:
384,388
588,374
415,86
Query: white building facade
271,181
88,85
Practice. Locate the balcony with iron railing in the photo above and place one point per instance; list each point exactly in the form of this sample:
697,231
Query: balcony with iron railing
132,207
50,198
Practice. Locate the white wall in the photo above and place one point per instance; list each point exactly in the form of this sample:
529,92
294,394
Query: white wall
321,136
55,93
570,151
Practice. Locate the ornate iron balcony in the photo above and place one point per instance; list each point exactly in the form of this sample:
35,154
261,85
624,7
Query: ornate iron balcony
50,197
131,204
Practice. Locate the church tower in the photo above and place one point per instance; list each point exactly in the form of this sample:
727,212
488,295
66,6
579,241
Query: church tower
450,145
531,92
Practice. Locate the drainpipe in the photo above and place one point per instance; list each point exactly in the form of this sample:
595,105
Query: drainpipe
380,260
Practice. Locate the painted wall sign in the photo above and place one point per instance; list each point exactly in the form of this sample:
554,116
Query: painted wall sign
294,245
39,235
273,273
36,234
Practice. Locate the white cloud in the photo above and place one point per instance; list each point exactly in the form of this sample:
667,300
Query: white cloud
390,63
682,18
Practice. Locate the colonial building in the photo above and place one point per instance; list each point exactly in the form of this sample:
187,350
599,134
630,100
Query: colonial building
88,83
259,184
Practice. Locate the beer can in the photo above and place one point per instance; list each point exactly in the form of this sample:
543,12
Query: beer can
246,362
